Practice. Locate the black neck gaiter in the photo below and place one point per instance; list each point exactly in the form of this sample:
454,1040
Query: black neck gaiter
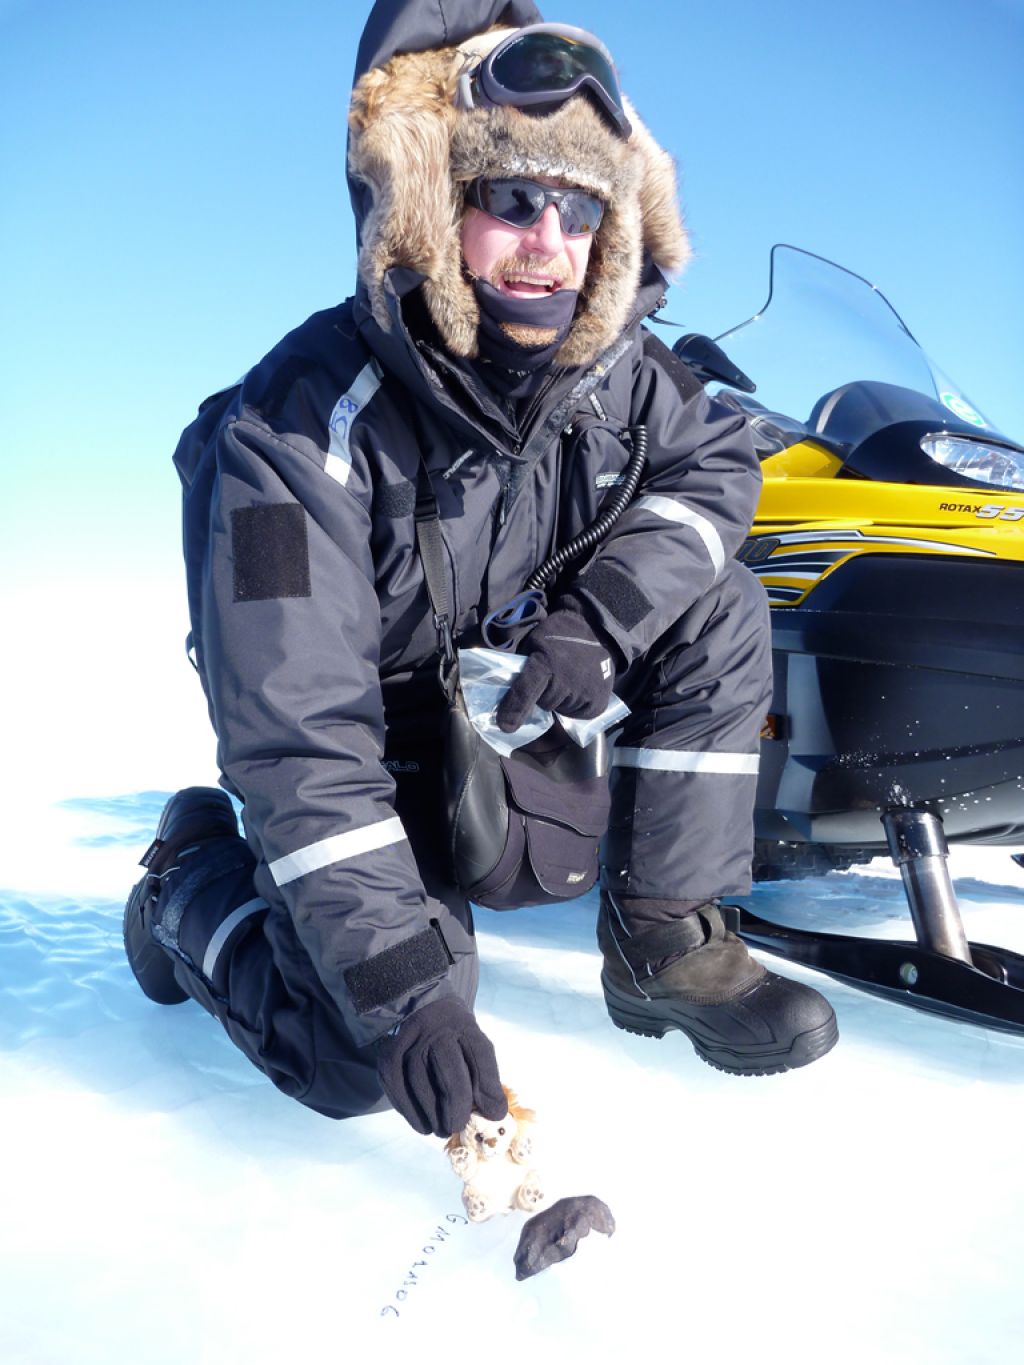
512,370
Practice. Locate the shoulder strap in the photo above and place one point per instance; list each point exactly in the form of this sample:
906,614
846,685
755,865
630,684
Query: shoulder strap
431,552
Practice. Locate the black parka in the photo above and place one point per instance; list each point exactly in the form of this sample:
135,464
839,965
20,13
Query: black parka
305,588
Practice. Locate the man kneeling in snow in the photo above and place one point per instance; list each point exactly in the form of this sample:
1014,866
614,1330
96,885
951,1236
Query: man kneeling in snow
516,226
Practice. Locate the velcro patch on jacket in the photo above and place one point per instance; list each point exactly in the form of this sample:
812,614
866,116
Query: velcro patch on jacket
398,970
271,552
677,370
617,593
395,500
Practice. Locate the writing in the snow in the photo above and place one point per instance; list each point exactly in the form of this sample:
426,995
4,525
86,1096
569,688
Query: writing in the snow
425,1257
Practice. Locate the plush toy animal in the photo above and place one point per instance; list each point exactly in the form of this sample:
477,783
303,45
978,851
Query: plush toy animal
492,1157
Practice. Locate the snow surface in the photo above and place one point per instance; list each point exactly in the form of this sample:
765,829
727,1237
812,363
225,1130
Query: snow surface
161,1202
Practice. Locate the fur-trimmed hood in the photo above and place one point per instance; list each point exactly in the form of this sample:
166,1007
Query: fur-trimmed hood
412,152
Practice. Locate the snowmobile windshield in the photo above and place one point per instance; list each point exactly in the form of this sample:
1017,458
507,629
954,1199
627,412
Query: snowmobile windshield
823,327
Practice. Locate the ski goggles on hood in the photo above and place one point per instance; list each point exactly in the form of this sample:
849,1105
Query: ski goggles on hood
520,202
538,68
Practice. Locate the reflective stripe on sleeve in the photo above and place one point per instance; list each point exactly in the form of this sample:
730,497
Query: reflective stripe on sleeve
336,849
670,510
225,930
686,761
339,425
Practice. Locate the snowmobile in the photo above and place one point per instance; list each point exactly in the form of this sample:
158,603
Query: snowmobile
890,540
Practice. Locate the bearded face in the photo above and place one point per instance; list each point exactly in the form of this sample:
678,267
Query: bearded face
525,262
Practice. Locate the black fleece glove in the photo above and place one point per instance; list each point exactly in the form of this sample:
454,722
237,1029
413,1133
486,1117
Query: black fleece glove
440,1067
568,670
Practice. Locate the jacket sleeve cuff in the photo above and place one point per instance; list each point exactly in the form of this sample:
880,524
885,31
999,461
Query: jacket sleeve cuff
398,970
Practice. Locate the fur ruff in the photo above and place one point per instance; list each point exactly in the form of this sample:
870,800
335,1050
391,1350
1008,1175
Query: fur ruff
416,151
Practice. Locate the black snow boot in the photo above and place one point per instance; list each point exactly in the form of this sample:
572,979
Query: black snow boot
191,818
692,974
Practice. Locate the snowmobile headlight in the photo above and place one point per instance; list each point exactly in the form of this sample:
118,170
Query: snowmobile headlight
983,461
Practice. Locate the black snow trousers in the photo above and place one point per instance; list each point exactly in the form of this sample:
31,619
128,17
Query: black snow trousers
683,786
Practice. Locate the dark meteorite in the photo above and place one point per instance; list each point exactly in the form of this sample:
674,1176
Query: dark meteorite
554,1234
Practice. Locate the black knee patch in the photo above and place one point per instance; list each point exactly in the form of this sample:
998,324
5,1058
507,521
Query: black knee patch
271,552
617,593
398,970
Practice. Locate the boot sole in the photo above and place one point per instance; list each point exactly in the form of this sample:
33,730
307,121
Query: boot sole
150,965
653,1019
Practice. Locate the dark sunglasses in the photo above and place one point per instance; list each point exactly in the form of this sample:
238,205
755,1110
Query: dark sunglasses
539,67
520,203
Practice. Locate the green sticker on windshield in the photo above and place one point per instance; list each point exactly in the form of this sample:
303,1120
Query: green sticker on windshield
960,407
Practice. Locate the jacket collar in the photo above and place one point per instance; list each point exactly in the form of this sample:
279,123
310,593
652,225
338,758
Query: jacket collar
418,360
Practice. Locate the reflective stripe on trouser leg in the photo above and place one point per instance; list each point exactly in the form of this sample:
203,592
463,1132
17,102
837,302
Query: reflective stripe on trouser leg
225,929
685,774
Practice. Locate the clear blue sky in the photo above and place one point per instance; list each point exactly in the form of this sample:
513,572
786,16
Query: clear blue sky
174,200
